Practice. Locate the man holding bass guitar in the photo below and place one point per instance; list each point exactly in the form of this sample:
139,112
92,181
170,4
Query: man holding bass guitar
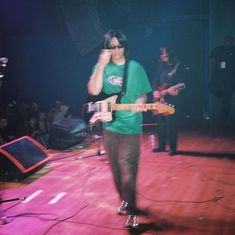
167,88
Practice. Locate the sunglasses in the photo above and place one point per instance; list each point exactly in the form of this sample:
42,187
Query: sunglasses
117,46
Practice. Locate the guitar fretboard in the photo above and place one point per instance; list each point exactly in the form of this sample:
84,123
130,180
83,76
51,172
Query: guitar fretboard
132,106
151,106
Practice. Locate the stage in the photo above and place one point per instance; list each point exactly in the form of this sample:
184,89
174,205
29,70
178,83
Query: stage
190,193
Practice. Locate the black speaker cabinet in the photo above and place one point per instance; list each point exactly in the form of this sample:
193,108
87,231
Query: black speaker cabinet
83,23
20,158
67,132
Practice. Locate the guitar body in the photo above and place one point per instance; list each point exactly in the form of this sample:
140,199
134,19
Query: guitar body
103,110
91,99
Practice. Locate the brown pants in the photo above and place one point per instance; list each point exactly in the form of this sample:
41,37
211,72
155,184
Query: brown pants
123,152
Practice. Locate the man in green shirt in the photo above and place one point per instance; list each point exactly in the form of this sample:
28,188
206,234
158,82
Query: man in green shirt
115,73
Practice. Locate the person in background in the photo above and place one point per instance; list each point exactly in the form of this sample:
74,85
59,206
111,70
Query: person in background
44,127
58,112
116,73
166,89
5,132
222,73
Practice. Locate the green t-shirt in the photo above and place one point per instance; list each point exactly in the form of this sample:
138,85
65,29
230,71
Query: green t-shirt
126,122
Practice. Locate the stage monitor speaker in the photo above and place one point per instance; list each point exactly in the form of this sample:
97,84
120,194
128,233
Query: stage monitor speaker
20,158
66,133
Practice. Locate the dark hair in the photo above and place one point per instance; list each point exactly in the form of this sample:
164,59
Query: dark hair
170,53
120,37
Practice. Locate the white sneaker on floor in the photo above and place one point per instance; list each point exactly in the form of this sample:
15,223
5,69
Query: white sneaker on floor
131,222
122,209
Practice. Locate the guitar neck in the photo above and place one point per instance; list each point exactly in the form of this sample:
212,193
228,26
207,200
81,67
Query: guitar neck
117,107
163,93
177,87
157,107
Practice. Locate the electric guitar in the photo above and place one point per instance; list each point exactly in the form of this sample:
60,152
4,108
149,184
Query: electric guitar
104,110
163,92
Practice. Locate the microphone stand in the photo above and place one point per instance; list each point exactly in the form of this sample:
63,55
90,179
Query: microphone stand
100,152
13,199
3,219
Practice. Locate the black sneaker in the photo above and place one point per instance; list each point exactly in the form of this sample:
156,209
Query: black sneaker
131,222
122,209
172,152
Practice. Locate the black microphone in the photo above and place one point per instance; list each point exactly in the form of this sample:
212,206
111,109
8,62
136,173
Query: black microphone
3,65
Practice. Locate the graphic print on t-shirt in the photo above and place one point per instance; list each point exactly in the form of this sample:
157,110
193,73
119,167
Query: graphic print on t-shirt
115,80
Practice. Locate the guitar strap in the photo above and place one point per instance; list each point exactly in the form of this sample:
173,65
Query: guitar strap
125,77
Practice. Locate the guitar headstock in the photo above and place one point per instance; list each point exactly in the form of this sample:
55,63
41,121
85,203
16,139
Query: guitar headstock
180,86
163,108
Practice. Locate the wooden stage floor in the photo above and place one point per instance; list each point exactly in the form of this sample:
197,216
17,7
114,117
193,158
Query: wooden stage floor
192,193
